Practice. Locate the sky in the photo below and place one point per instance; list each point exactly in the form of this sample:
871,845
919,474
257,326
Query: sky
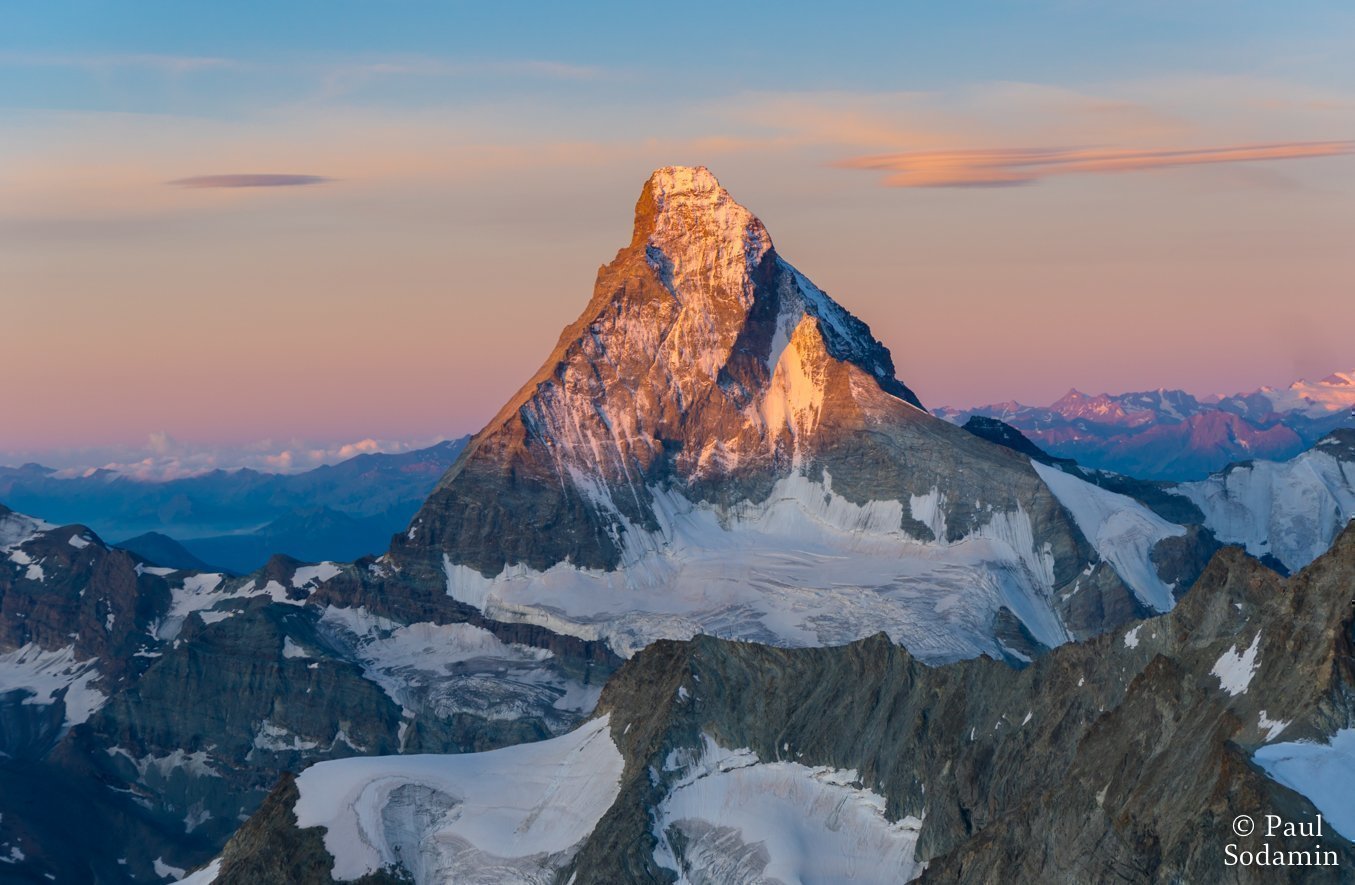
231,233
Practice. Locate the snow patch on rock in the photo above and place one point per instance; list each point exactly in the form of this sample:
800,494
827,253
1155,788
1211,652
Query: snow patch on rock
314,574
47,673
17,529
1235,669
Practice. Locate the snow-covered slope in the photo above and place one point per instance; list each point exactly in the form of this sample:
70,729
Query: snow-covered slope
16,528
1122,530
1323,773
1291,510
48,677
808,567
514,815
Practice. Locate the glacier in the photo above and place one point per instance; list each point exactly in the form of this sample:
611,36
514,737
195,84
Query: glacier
731,817
514,815
807,567
1292,510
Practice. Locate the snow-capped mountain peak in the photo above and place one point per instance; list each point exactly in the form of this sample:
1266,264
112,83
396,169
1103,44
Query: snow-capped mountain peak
716,445
702,354
1316,399
696,235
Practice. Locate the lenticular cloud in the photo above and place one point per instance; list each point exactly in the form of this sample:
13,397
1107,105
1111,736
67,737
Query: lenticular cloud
249,180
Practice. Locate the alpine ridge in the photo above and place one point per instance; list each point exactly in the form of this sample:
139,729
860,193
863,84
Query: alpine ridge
715,445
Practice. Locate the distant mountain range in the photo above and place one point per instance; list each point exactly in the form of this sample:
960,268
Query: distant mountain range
234,520
1170,434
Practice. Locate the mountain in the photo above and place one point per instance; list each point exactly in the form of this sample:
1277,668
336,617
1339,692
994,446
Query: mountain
715,445
162,550
230,501
1332,395
1286,512
1171,435
310,534
1126,757
145,710
1007,436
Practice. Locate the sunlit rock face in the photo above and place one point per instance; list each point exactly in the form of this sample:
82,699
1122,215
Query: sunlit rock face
702,357
717,446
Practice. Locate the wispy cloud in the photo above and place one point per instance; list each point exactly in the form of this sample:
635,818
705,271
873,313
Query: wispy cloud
1004,167
252,179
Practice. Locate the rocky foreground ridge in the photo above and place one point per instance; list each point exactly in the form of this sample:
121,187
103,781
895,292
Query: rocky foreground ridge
146,711
1122,758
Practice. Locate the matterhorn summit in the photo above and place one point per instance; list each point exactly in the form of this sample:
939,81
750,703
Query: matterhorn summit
717,446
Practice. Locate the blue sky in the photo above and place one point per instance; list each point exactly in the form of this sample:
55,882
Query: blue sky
123,56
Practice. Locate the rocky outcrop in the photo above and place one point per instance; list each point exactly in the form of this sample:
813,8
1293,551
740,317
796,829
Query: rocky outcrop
1123,758
158,706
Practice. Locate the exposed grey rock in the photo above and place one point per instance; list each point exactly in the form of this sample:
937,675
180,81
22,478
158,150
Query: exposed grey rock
1121,758
195,716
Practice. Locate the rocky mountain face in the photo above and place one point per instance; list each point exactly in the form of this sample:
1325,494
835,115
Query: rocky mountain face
1125,757
717,446
146,711
1171,435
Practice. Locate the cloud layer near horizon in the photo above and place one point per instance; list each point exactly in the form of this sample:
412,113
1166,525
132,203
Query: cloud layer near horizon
164,458
1005,167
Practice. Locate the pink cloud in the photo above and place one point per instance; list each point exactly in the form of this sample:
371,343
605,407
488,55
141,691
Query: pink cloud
1000,167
